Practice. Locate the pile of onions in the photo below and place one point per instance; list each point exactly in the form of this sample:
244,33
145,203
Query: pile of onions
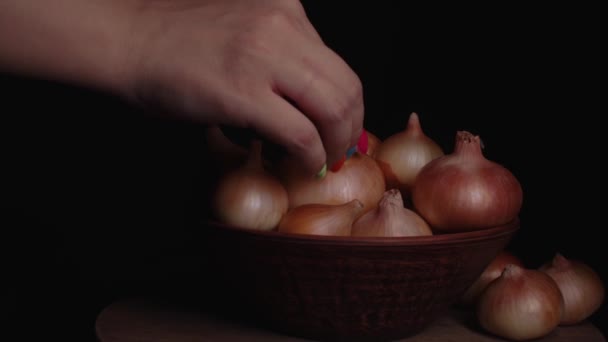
359,178
249,196
402,155
448,193
491,272
391,218
521,304
465,191
364,196
581,287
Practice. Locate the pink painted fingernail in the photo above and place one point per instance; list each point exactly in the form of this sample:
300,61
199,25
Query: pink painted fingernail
362,145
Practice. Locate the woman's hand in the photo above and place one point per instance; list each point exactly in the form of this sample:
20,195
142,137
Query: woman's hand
251,64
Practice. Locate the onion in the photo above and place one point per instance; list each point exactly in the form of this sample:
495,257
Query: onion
390,218
491,272
520,305
359,178
373,142
402,155
465,191
580,285
321,219
250,197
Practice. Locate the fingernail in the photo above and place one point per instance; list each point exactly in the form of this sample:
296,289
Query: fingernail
338,165
362,145
323,172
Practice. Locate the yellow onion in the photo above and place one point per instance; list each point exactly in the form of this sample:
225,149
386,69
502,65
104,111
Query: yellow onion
580,285
250,197
321,219
390,218
520,305
359,178
491,272
465,191
403,154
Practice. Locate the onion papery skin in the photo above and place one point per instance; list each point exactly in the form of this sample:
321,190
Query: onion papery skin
464,191
321,219
520,305
491,272
402,155
581,286
391,219
359,178
249,196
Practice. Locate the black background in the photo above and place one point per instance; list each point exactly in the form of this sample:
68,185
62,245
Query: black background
98,196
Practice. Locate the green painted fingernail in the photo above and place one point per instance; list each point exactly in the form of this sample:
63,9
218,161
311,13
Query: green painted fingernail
323,172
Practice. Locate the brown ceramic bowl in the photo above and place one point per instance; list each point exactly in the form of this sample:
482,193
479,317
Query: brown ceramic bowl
347,288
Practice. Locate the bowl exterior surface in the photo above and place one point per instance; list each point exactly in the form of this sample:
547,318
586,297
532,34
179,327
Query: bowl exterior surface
340,289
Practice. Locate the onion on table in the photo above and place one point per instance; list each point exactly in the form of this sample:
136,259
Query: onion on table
581,286
520,305
491,272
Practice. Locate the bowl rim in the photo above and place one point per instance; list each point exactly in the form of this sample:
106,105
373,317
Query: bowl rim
437,239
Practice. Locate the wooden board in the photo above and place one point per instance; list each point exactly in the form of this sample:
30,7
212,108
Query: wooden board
148,321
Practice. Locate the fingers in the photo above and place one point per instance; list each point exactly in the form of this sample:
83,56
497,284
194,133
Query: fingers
329,93
261,68
280,122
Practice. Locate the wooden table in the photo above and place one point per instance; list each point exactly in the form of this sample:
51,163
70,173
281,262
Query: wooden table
148,321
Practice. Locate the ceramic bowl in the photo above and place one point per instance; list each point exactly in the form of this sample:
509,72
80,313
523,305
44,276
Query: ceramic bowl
346,288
